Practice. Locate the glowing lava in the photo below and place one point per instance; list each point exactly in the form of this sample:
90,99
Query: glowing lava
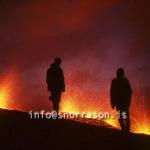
3,97
140,116
7,86
89,104
78,103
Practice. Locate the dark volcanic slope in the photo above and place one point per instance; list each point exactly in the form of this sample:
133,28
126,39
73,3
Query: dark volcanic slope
19,132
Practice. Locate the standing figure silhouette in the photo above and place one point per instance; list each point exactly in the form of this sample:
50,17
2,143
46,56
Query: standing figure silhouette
55,82
120,95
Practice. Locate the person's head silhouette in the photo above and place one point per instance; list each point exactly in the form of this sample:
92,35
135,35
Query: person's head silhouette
120,73
57,61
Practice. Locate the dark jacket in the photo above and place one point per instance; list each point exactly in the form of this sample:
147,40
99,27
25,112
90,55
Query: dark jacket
120,93
55,78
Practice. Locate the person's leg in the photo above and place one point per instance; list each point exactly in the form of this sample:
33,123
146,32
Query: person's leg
127,120
121,121
55,106
57,97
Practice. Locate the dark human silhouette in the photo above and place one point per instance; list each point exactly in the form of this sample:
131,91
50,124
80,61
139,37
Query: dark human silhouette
120,94
55,82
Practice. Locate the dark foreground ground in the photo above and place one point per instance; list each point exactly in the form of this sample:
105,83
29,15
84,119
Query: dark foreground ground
19,132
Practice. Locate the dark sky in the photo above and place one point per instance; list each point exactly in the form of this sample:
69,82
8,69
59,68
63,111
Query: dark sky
93,37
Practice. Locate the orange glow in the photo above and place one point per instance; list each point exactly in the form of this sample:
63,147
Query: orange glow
113,121
7,89
140,116
3,97
81,100
143,128
82,103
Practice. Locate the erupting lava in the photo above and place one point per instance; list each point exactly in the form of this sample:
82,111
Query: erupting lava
79,101
140,116
7,89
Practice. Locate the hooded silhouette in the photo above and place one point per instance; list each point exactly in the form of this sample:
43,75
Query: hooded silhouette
120,94
55,82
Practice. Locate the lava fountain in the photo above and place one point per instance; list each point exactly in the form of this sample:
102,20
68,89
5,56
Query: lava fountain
76,103
8,89
140,115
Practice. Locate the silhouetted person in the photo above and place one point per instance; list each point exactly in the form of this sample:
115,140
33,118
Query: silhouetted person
55,82
120,94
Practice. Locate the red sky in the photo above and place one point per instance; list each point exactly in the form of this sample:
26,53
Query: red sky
93,37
